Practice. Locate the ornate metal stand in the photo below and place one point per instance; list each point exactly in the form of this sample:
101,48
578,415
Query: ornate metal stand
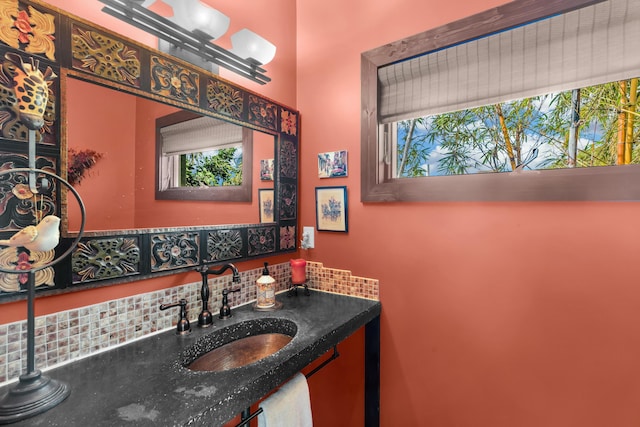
35,393
293,288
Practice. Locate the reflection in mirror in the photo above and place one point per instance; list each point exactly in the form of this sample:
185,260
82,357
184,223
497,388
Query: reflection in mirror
201,152
119,189
200,158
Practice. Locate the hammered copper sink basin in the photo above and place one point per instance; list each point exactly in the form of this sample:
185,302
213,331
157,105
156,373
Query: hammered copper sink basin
239,345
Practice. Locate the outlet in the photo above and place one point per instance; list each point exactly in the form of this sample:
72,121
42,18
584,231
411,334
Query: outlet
308,241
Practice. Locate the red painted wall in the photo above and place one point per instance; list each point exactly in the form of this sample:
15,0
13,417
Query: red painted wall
493,314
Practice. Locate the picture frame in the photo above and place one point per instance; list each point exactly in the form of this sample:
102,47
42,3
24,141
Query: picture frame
333,164
332,209
266,170
266,205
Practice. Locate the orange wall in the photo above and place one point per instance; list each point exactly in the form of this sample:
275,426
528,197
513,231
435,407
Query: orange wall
493,314
107,189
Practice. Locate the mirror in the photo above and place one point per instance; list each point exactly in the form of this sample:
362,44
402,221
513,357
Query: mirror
119,190
111,91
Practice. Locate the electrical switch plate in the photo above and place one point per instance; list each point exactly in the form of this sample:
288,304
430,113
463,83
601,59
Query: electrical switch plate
308,237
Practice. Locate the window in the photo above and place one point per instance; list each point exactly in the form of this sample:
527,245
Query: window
504,102
587,127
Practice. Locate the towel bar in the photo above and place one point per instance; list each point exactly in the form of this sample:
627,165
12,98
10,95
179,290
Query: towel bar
247,416
335,355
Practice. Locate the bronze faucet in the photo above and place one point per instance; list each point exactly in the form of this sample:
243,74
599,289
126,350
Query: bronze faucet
205,318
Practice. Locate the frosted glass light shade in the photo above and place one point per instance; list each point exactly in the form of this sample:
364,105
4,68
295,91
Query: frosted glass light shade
210,21
247,44
194,15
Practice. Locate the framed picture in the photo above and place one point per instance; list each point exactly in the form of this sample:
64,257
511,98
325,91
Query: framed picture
332,164
266,170
331,209
265,202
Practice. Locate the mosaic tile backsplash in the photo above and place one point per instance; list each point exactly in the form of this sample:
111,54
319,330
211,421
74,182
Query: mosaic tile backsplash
68,335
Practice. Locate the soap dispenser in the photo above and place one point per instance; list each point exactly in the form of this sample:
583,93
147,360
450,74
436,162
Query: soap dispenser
265,289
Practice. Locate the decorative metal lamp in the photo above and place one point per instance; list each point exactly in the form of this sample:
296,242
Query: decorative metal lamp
35,393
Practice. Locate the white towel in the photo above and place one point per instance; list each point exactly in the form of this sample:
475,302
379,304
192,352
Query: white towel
290,406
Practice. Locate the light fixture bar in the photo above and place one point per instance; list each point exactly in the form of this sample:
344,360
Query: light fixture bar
193,41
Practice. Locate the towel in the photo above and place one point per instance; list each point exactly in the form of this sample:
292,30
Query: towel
290,406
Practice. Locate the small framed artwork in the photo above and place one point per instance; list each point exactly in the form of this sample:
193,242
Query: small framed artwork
332,164
331,209
266,170
265,201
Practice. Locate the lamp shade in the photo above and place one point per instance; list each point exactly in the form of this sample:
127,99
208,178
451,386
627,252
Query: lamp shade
194,15
210,21
247,44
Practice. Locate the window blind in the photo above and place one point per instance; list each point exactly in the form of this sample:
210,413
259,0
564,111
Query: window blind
593,45
201,134
169,172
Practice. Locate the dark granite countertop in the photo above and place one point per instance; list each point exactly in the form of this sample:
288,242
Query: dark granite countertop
144,384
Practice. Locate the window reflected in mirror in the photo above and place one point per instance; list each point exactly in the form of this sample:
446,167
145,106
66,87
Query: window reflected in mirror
201,152
202,158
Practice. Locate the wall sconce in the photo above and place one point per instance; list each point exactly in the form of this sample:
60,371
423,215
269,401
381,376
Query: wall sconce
189,32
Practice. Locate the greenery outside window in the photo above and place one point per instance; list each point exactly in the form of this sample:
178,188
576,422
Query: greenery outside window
532,100
211,168
587,127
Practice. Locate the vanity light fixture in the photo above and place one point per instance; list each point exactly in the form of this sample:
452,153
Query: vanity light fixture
190,31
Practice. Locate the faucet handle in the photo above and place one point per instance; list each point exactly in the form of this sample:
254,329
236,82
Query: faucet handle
182,327
225,310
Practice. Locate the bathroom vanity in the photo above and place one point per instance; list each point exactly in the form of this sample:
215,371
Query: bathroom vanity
144,383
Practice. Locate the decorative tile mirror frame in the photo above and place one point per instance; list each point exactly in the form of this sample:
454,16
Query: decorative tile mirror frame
41,37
